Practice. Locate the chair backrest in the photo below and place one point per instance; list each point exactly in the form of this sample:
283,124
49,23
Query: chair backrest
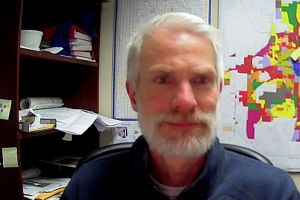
125,147
247,152
105,151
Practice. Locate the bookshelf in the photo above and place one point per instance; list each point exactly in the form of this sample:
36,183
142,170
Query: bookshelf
53,57
26,73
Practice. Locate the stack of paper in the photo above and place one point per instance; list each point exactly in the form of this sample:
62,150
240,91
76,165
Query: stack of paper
72,121
29,120
68,120
34,187
103,123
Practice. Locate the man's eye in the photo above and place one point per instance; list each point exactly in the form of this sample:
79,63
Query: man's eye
161,80
202,80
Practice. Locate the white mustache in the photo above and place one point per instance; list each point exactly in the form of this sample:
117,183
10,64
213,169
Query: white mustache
202,117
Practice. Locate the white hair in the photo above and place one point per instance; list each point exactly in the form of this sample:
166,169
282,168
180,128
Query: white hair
188,22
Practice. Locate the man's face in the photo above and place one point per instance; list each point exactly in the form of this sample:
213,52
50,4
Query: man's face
177,94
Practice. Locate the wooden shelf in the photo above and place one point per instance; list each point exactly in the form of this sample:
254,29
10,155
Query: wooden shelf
41,55
29,73
24,135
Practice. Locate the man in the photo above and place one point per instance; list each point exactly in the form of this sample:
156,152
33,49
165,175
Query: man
174,82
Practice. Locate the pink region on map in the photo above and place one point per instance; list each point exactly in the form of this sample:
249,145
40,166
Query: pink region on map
253,117
263,51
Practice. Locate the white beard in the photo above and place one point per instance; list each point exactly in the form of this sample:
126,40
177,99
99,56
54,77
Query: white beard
178,143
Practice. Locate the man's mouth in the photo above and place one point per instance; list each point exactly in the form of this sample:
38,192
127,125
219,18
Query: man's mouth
182,125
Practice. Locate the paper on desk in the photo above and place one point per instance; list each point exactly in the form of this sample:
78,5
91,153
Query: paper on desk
80,124
63,115
33,187
76,121
34,120
103,122
72,121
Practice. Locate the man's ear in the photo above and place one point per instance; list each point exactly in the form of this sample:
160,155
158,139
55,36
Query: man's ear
221,86
131,94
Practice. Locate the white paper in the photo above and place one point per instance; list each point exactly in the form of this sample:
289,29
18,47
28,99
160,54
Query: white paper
77,121
73,121
53,50
80,124
102,123
32,187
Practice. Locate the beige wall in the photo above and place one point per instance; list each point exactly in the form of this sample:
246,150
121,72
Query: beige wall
106,65
106,57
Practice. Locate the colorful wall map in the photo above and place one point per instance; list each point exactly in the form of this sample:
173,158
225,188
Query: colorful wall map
261,96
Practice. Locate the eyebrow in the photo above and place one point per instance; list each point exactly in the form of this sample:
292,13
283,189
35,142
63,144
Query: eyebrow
169,69
161,68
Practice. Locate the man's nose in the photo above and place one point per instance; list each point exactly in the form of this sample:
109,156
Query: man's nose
184,99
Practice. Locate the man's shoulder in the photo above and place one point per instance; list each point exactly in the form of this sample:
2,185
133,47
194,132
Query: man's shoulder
249,167
256,177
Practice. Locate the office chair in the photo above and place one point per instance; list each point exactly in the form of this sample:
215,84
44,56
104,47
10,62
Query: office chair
247,152
105,151
120,148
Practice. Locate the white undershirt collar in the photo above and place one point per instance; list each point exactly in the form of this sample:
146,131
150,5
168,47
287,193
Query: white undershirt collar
169,191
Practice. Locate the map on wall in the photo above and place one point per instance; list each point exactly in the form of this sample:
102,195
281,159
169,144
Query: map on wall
260,100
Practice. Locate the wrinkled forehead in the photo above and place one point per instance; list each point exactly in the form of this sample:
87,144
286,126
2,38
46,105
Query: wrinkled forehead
170,31
172,40
170,36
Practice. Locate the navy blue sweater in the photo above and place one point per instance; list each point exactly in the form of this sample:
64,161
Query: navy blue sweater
226,176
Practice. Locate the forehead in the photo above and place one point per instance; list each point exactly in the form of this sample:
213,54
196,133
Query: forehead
174,38
169,36
166,46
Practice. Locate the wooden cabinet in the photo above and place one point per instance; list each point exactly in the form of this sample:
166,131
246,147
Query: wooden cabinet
28,73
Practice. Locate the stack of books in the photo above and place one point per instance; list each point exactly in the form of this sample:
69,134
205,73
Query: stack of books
81,44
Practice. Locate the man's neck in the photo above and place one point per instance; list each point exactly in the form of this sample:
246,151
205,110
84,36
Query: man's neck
176,171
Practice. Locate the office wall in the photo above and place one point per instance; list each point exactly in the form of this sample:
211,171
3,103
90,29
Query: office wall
106,63
106,57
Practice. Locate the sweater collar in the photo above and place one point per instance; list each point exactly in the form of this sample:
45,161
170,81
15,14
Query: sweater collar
203,184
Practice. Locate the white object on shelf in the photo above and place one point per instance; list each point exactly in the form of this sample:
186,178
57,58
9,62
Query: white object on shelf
40,102
31,39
